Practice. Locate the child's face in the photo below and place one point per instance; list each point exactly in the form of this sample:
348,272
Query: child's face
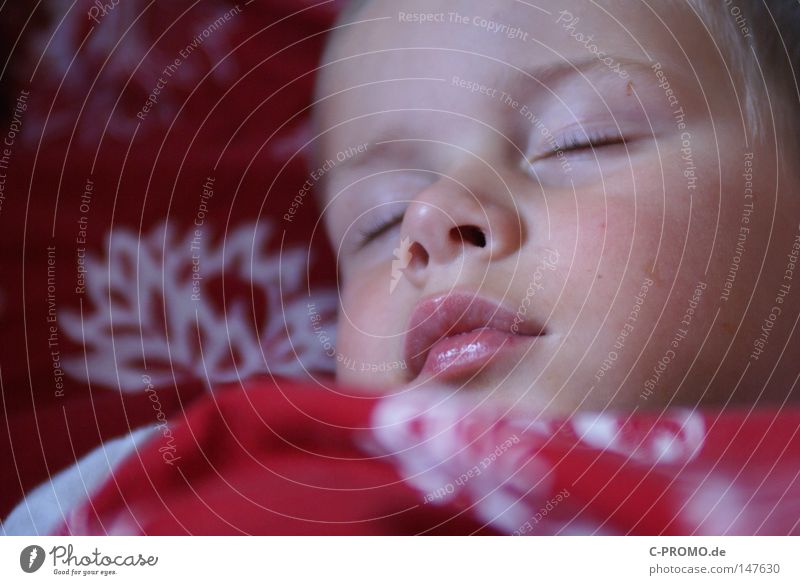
629,254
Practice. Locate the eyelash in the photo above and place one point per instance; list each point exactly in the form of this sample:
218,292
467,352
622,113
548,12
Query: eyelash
368,235
581,140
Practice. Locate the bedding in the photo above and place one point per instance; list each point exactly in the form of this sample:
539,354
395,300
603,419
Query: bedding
281,457
158,370
144,259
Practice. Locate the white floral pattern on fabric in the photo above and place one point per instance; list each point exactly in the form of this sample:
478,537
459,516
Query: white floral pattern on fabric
445,455
145,310
446,452
677,438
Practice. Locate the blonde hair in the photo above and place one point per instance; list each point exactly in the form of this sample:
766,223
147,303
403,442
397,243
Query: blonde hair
760,42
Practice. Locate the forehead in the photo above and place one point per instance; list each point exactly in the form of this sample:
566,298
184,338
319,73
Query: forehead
489,41
416,36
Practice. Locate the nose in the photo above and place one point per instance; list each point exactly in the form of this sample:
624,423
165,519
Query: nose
452,218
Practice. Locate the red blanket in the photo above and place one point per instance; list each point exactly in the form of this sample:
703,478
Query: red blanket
283,458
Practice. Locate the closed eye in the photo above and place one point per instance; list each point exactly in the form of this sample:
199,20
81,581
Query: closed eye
579,142
589,142
370,234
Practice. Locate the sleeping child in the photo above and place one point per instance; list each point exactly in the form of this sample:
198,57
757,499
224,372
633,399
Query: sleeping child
563,206
579,212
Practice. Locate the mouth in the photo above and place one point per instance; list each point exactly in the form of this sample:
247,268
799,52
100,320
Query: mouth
453,335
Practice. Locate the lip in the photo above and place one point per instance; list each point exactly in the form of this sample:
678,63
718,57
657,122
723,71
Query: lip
453,335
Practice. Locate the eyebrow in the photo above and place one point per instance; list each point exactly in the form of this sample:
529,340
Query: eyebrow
548,72
391,141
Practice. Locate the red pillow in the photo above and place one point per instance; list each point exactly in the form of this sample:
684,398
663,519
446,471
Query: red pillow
154,150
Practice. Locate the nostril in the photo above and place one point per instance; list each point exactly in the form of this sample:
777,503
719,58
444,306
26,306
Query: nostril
418,255
469,234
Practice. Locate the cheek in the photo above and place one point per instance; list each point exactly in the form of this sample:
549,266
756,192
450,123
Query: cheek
366,302
358,303
604,242
619,244
650,228
370,325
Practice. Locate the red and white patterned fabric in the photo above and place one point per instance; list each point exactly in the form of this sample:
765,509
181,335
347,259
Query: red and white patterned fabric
285,458
144,254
